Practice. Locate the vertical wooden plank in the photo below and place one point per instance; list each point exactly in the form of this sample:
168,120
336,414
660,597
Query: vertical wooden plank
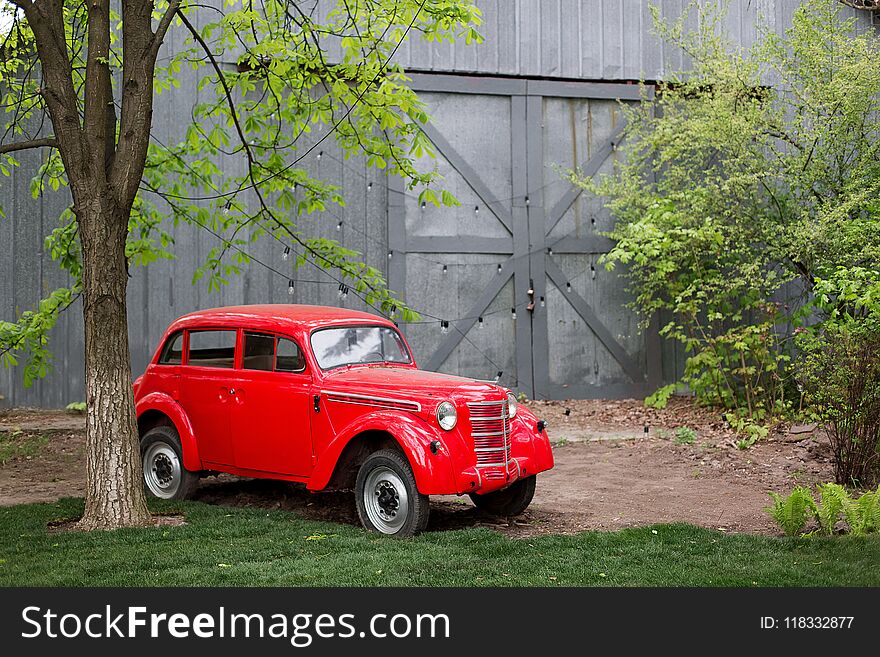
526,115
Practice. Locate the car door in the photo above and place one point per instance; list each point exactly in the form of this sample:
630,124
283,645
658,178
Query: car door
207,390
270,421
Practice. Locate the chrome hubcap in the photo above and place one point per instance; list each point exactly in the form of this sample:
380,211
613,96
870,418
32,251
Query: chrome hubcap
385,500
162,470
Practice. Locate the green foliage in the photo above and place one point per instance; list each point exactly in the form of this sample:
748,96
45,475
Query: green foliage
791,512
840,376
834,500
76,407
861,516
660,397
241,169
685,436
750,430
735,200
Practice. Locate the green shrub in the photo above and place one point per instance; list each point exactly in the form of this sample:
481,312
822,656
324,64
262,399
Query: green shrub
685,436
840,375
792,512
660,398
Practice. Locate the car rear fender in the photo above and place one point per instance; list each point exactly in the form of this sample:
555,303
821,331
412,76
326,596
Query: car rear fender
433,472
159,401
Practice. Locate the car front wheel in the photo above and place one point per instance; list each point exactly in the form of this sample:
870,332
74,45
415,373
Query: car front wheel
162,458
388,500
510,501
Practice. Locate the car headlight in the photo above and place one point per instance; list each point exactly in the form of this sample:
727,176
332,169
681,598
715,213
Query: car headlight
511,404
447,416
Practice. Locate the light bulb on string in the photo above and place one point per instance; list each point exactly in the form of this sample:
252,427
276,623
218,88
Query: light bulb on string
480,323
499,267
390,254
445,270
592,271
424,205
543,303
568,286
477,210
339,227
369,186
286,254
513,313
444,327
291,288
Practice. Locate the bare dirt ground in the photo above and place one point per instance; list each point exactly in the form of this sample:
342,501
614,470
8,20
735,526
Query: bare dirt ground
618,464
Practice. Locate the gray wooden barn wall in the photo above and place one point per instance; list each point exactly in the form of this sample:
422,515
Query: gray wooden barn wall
569,39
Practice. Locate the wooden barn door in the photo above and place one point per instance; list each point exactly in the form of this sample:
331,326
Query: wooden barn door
520,228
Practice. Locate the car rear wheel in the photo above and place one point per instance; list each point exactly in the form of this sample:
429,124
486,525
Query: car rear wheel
162,458
388,500
510,501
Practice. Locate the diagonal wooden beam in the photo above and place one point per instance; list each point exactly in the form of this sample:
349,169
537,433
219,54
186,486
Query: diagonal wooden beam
462,326
588,170
584,309
471,177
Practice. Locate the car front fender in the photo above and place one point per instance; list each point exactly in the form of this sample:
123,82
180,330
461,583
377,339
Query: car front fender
434,473
165,404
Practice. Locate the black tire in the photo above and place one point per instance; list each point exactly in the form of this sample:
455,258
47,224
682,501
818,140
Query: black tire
388,501
162,459
510,501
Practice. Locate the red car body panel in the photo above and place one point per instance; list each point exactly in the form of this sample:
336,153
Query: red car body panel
295,425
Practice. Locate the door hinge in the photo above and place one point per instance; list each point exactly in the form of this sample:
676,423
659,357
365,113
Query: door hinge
317,401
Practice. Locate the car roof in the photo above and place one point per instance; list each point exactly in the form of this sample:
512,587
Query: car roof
274,315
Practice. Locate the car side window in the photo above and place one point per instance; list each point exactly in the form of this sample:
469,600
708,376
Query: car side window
259,351
289,357
172,353
212,348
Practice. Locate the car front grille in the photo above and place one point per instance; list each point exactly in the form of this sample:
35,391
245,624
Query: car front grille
490,430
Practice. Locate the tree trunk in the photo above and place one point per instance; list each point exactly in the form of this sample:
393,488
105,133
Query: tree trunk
115,496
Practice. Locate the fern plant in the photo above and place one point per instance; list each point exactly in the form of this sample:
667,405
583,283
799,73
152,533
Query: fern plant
791,512
864,514
834,502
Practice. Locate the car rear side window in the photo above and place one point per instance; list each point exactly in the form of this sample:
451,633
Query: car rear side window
259,352
289,357
172,353
212,348
268,352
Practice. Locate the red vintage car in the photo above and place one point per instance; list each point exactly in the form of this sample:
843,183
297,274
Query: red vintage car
331,398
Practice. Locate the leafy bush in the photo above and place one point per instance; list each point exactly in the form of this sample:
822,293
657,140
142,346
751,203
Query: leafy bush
735,200
840,376
660,398
685,436
791,513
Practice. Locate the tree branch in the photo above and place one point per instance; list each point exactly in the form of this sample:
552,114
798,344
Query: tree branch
164,25
49,142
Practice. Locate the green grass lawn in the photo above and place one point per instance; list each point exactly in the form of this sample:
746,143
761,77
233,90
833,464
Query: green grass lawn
252,547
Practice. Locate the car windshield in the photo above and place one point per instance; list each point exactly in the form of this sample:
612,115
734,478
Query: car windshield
350,345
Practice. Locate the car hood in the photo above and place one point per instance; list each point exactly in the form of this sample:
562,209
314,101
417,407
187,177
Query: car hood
408,383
